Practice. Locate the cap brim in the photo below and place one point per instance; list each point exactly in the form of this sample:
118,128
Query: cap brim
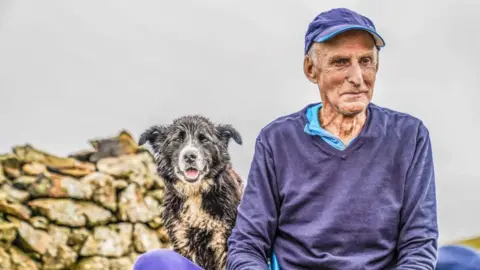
335,30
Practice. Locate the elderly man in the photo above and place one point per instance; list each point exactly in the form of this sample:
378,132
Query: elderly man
343,183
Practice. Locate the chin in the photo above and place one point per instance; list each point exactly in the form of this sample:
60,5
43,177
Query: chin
353,108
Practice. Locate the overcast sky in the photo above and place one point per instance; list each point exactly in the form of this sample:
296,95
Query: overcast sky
75,70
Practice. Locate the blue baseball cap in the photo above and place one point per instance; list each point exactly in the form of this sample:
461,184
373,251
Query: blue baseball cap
335,21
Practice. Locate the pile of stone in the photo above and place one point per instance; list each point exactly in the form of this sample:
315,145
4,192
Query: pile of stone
95,209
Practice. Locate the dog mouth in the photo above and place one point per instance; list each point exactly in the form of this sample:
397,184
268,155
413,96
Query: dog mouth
191,174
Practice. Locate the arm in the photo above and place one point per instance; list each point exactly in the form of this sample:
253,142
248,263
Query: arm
251,239
417,243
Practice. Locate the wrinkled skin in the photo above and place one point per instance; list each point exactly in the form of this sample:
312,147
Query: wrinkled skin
344,69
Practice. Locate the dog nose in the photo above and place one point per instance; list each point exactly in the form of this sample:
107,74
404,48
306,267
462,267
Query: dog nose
190,156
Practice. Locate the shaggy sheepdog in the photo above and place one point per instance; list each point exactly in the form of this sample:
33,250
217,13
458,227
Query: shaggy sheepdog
202,189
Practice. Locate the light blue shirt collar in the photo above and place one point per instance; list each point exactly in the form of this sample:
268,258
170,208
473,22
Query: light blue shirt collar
313,127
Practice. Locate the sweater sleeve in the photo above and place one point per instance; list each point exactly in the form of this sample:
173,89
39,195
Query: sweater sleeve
250,243
417,243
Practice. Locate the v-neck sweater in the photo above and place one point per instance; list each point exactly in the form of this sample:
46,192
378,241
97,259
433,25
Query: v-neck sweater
369,206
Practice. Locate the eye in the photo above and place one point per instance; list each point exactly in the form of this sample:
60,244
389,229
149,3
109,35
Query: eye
202,138
179,137
340,61
366,60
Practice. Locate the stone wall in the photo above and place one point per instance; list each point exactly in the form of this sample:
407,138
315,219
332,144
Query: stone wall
95,209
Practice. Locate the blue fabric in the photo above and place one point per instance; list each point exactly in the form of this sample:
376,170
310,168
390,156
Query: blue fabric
313,127
454,257
335,21
373,203
164,259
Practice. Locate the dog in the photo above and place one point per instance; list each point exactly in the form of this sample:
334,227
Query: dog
202,190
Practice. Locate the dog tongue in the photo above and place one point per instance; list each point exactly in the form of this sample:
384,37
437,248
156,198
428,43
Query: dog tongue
192,173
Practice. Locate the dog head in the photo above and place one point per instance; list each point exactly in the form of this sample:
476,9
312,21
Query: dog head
191,148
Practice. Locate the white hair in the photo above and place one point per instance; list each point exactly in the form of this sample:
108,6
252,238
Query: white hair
312,53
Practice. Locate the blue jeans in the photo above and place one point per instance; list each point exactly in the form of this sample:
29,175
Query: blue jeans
456,257
450,258
164,259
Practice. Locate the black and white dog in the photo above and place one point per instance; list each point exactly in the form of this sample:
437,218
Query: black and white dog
202,189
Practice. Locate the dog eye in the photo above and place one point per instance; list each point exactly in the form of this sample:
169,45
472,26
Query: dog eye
180,137
202,138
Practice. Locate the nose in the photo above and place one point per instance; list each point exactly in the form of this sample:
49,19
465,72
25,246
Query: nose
355,75
190,156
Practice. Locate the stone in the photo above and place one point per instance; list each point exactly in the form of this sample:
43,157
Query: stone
12,167
6,156
123,144
24,181
72,213
63,258
59,234
8,232
5,259
121,167
3,178
77,238
95,209
145,239
13,194
158,181
103,187
82,155
39,222
57,186
136,168
31,239
15,209
155,223
76,172
93,263
34,168
114,240
59,255
120,184
154,206
143,180
21,261
149,160
28,154
4,196
150,177
157,194
122,263
134,207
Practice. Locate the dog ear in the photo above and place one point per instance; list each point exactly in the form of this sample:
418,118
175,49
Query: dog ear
154,134
228,132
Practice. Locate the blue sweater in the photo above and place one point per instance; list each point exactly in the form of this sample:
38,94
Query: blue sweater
370,206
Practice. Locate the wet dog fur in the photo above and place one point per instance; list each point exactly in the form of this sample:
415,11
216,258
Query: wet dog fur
202,189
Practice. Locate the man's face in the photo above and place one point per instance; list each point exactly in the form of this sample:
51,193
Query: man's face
344,68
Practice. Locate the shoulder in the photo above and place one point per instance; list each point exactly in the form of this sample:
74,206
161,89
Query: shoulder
397,123
283,126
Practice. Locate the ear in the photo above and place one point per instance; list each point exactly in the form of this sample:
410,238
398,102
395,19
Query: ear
227,132
153,134
309,69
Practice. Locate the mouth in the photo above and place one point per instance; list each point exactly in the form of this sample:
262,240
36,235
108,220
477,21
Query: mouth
354,94
191,174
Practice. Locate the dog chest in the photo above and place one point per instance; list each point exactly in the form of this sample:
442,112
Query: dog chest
196,217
